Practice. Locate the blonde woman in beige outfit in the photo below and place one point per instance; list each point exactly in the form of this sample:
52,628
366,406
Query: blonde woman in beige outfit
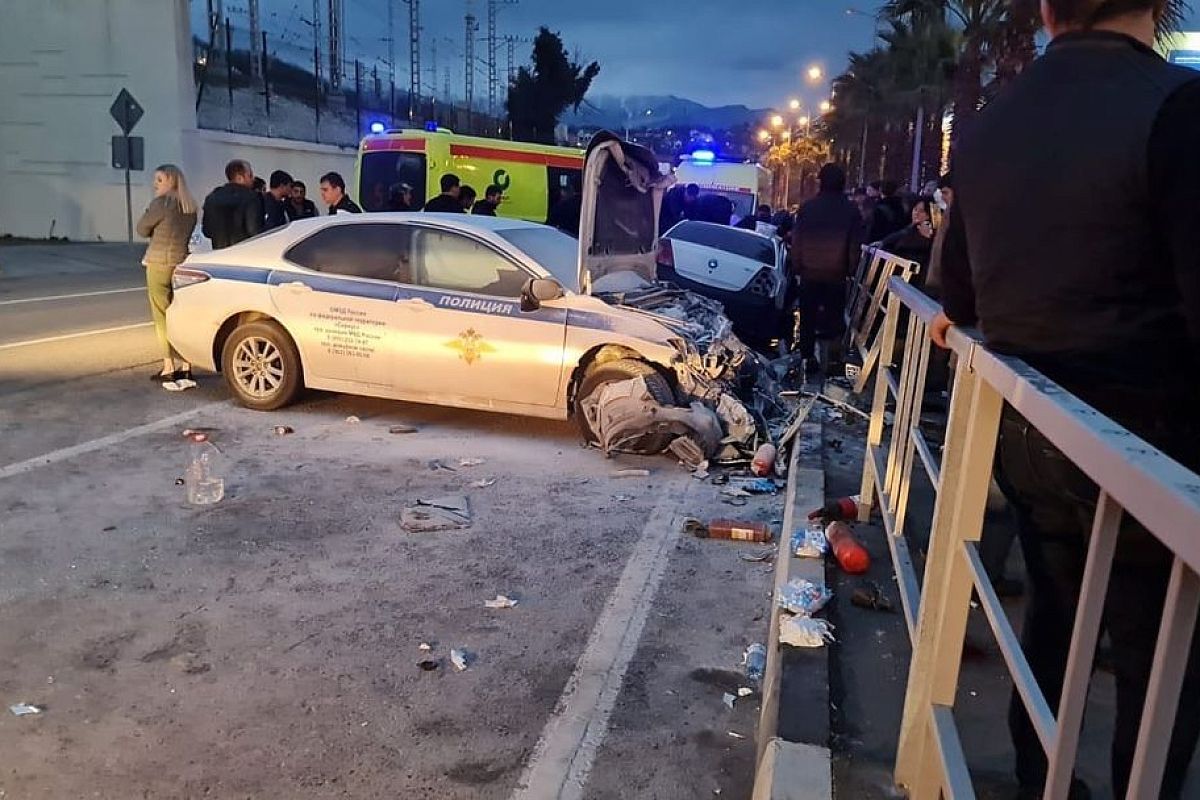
168,223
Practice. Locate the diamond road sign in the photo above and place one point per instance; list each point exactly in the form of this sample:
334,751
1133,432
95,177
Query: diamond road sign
126,111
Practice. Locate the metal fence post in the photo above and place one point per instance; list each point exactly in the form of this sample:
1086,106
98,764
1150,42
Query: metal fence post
229,70
357,99
878,409
317,92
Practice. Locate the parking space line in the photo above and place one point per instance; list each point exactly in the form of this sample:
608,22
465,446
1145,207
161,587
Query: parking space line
66,336
52,297
55,456
563,757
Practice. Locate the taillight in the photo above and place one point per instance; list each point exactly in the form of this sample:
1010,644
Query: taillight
666,254
186,276
763,283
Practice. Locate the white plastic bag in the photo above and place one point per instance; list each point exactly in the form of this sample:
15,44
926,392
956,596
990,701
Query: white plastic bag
805,632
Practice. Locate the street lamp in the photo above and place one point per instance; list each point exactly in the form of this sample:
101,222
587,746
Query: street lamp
777,121
815,73
794,104
825,106
763,135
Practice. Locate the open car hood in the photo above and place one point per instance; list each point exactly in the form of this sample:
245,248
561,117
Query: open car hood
618,220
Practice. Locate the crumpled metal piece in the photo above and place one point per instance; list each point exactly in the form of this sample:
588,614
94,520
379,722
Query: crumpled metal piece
627,419
451,512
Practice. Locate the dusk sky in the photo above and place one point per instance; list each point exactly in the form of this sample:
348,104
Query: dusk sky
713,51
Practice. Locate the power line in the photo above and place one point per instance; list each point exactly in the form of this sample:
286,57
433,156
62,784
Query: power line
414,58
493,9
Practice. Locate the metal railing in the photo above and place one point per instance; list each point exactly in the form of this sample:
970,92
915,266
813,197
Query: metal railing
1133,478
865,306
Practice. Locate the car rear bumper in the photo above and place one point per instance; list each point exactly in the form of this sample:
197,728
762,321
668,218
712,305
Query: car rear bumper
754,316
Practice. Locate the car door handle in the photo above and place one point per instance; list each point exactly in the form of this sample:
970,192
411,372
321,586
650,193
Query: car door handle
415,303
296,286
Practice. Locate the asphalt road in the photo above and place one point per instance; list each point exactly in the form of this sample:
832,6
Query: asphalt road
267,646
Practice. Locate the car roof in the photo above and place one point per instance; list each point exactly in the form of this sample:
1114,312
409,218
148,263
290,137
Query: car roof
273,242
690,223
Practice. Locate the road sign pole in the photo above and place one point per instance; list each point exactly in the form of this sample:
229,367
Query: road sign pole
128,205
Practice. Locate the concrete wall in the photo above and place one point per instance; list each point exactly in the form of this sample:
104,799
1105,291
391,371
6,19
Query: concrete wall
62,63
207,152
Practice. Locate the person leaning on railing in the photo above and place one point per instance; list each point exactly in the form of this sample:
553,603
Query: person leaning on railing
1074,242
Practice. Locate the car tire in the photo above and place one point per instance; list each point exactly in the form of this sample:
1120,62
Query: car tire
620,370
261,366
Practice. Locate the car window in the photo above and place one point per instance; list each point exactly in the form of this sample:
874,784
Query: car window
374,250
731,240
383,170
553,250
447,260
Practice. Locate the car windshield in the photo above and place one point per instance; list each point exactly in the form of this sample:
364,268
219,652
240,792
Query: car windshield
731,240
553,250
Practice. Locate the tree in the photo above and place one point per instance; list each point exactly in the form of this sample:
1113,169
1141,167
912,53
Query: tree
540,93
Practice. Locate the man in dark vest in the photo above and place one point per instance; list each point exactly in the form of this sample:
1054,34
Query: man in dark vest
1074,242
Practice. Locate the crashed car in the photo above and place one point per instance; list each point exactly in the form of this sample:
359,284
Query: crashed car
479,312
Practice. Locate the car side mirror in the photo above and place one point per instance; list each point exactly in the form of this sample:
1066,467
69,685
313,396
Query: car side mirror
539,290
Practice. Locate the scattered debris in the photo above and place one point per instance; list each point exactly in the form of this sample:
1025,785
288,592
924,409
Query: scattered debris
501,601
871,596
424,647
728,529
734,491
190,664
483,483
402,429
843,508
735,735
849,552
755,485
428,664
745,691
461,659
755,558
810,542
451,512
735,501
26,709
352,420
191,433
471,462
755,662
622,498
284,430
109,528
729,700
179,481
438,466
701,472
630,473
763,463
803,631
803,597
720,480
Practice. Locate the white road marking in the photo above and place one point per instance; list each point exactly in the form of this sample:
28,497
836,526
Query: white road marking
52,297
55,456
563,758
66,336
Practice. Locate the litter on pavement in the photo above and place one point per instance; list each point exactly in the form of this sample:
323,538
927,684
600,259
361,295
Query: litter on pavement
501,601
437,465
810,542
461,659
755,662
428,664
352,420
757,558
25,709
729,700
284,430
871,596
471,462
451,512
622,498
483,483
631,473
803,597
805,632
424,646
402,429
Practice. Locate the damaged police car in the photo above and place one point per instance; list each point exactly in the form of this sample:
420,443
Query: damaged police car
480,312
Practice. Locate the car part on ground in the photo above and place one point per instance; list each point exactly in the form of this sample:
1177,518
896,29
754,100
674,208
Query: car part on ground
629,418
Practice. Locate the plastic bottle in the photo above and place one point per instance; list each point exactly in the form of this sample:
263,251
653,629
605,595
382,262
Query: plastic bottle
755,658
850,554
733,529
764,460
843,508
204,486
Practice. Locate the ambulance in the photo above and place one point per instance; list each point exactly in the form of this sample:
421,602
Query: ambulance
532,176
745,185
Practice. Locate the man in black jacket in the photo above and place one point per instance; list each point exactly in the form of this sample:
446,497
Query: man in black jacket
887,215
333,194
490,202
447,202
826,240
1094,280
233,212
275,201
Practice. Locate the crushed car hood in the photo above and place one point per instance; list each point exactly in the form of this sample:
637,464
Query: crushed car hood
618,220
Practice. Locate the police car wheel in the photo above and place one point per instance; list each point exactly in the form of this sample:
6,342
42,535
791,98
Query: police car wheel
620,370
261,366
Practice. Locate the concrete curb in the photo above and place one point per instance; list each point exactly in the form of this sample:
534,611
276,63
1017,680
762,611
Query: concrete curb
789,770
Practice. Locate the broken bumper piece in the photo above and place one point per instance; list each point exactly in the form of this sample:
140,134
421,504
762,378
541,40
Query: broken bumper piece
629,420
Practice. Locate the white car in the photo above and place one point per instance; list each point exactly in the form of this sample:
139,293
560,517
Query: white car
745,271
477,312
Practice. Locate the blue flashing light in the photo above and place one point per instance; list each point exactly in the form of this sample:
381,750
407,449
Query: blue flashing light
432,127
378,127
704,156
